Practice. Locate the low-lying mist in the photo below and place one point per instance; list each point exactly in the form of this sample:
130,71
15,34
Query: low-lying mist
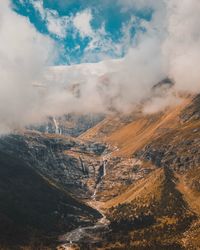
31,89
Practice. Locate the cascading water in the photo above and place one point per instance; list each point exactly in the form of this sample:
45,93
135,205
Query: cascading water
102,173
76,235
57,129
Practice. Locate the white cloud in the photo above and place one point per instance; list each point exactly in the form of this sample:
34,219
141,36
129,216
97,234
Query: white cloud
22,1
82,22
142,4
182,46
102,46
38,5
23,55
56,24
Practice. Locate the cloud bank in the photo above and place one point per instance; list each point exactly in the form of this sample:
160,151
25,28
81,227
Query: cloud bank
166,46
24,53
182,45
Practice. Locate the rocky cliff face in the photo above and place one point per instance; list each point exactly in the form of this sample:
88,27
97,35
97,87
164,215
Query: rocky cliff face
68,162
33,209
179,147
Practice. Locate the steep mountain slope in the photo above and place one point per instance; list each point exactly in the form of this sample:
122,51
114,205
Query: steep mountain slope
153,212
32,207
108,125
138,130
179,149
160,209
127,135
68,162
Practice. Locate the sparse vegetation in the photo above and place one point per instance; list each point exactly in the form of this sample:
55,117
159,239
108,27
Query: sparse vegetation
150,192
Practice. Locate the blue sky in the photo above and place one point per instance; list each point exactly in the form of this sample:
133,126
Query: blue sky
85,30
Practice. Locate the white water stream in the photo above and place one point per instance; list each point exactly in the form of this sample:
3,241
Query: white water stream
77,234
57,129
103,174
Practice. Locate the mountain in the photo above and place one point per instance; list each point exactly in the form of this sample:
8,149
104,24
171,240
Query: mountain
125,181
151,189
34,208
152,212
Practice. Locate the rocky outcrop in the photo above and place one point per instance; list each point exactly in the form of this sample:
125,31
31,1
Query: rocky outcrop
178,148
33,209
192,112
59,158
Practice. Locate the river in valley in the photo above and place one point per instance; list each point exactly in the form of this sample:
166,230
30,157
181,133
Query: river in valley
88,234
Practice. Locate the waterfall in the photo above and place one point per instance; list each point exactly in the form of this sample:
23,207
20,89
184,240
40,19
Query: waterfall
102,173
57,129
47,129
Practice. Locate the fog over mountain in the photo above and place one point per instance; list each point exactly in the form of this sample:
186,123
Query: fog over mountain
32,89
99,124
